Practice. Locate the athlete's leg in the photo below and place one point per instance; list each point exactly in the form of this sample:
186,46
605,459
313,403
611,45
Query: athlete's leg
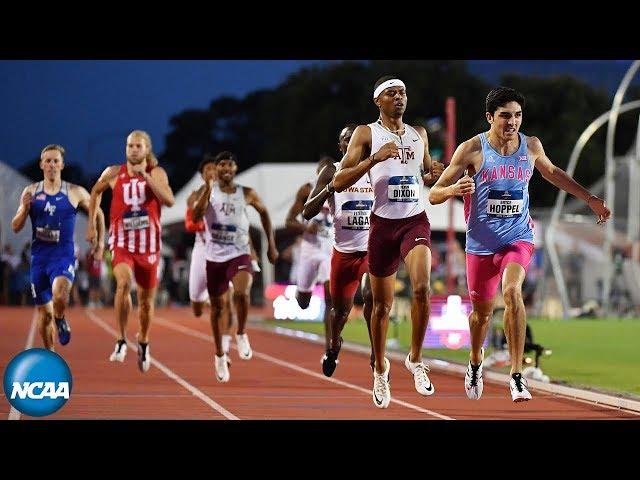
367,297
146,304
45,325
418,263
308,272
216,320
382,289
515,321
326,320
483,277
122,301
197,308
479,321
61,291
241,287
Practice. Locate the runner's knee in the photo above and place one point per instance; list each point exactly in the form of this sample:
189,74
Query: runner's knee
422,292
512,295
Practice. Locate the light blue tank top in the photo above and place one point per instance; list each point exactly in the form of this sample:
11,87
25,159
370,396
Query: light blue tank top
497,214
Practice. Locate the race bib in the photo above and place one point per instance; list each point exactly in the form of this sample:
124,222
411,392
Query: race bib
504,203
47,234
403,189
135,220
356,214
225,234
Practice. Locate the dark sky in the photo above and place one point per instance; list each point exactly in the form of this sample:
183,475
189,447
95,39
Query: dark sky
90,106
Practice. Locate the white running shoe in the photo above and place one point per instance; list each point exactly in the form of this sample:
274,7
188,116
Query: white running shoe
222,368
119,352
255,266
420,377
244,349
144,357
381,391
519,388
226,343
473,383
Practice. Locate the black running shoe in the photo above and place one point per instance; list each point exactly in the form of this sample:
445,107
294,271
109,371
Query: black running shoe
64,331
330,359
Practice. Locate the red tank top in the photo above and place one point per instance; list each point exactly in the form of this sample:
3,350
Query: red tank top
134,215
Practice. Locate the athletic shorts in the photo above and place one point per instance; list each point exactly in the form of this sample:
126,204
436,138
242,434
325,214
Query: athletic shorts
143,265
313,267
346,271
43,273
219,274
484,272
392,238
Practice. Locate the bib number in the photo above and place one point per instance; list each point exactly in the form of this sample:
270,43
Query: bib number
136,220
403,189
224,234
46,234
505,203
356,214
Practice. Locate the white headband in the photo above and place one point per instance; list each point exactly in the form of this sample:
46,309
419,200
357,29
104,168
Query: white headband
394,82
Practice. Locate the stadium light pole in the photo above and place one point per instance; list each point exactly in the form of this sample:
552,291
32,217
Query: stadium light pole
450,145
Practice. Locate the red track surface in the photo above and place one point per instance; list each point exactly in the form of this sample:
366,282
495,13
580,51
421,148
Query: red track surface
282,381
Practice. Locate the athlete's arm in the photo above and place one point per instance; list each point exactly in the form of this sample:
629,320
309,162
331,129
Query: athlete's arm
23,208
450,184
106,180
84,202
432,169
320,193
202,201
354,164
292,221
159,183
252,199
559,178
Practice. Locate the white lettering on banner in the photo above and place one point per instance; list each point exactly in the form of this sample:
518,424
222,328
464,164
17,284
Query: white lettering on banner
40,390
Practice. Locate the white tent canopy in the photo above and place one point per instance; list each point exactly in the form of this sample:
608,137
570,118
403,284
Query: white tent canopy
277,185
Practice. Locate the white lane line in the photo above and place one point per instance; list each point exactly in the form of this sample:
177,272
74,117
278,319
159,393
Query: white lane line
167,371
282,363
13,413
551,391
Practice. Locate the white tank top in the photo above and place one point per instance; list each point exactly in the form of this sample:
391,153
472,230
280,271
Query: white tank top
227,225
397,182
351,210
324,238
200,238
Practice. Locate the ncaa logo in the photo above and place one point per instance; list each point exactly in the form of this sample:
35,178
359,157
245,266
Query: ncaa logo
37,382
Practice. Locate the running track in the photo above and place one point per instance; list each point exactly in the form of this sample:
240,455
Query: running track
282,381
